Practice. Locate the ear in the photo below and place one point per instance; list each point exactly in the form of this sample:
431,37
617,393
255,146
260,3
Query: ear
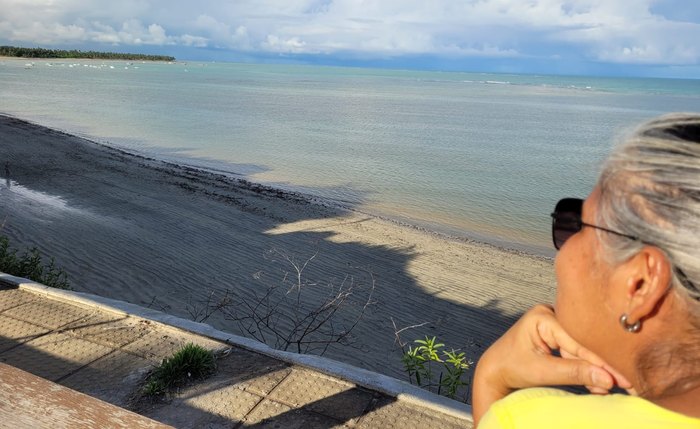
649,278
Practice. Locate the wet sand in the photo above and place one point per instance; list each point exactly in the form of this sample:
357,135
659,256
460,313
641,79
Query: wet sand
166,236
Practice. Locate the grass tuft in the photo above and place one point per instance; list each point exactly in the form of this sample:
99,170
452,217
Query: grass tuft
192,362
30,265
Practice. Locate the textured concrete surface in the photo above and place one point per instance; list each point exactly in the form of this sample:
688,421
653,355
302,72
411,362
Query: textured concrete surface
28,401
107,354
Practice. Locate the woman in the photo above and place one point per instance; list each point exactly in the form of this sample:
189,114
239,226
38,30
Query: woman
627,311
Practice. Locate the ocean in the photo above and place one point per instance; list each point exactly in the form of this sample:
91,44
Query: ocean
470,155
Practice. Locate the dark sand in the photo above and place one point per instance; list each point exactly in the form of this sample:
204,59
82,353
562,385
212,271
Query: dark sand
163,235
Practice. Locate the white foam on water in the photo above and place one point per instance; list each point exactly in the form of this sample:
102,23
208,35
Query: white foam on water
37,202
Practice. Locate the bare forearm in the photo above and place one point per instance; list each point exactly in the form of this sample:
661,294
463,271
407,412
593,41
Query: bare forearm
486,390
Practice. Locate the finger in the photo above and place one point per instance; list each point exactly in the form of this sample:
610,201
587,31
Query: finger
620,380
566,355
555,337
539,344
597,390
545,332
571,348
577,372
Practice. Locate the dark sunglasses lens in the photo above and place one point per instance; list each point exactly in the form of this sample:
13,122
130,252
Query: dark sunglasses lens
561,234
566,220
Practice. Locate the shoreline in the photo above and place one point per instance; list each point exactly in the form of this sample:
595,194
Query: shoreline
135,228
532,250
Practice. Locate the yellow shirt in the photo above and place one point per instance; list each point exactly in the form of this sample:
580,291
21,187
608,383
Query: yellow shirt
543,408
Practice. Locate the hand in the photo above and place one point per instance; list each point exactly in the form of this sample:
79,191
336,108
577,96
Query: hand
523,357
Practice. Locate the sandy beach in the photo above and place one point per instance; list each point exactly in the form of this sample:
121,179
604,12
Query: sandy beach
167,236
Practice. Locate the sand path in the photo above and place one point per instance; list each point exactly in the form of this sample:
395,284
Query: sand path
148,232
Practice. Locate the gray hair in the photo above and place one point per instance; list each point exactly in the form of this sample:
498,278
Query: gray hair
650,188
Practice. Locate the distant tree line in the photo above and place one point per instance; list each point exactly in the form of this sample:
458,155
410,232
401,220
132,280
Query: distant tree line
13,51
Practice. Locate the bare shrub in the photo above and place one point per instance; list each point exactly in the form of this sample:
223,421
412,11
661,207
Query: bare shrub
293,313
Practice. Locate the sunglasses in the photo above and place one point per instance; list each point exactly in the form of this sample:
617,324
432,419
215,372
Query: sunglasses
566,221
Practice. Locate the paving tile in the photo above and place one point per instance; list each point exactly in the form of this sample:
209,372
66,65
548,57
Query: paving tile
253,372
323,394
161,343
50,314
390,414
274,415
263,383
93,317
109,330
14,332
227,402
107,356
203,406
113,378
13,297
54,355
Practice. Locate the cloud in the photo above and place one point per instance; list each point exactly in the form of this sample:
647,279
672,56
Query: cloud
46,32
649,40
615,31
196,41
222,35
133,32
291,45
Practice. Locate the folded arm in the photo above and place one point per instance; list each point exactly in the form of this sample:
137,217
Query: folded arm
523,357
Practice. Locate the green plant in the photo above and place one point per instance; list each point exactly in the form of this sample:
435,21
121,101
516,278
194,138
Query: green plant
456,366
30,265
191,362
419,361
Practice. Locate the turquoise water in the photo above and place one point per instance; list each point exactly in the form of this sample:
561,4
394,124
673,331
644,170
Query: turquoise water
473,155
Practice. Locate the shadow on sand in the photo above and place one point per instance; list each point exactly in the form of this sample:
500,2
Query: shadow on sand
168,235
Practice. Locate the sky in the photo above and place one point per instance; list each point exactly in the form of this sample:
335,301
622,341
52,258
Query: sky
580,37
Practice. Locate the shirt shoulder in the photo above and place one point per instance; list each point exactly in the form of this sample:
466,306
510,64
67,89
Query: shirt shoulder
544,408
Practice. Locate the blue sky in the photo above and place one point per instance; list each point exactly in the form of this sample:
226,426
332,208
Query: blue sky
599,37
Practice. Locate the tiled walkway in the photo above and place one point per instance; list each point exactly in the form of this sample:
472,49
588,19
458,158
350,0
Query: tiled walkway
107,355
